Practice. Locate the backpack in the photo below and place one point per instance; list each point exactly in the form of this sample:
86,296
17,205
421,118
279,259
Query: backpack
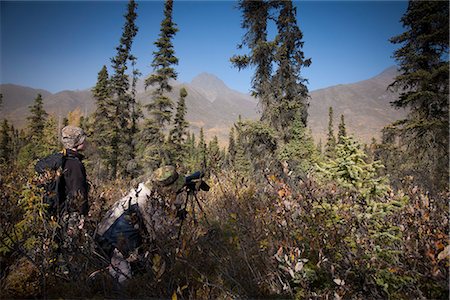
51,177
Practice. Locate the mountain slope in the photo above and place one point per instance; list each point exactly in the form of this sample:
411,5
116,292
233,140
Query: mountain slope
365,106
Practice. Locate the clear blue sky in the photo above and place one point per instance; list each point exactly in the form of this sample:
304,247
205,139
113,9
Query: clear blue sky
62,45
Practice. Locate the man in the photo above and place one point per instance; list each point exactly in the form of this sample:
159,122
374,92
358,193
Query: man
66,193
74,173
152,207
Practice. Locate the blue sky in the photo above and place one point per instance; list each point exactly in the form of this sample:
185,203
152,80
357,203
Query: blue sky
62,45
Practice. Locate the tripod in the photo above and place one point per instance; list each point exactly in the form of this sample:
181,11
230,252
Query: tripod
191,189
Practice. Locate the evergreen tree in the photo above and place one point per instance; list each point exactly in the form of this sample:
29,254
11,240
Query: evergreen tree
202,151
37,119
242,163
179,131
424,85
121,148
136,109
191,158
255,15
231,148
5,143
300,152
331,140
350,169
50,138
103,119
35,145
214,155
17,142
289,91
319,147
342,130
281,95
1,101
160,109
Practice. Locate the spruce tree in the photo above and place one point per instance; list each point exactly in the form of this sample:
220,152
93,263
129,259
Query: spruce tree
136,109
214,155
231,148
179,131
17,142
202,151
50,136
290,93
242,162
424,89
331,139
35,145
299,152
121,148
255,15
191,158
319,147
281,95
103,122
36,121
342,130
160,109
350,170
5,143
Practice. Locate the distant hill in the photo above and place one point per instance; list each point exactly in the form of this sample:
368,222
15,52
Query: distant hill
365,106
215,107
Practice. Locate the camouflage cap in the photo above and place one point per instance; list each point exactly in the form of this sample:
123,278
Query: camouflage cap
72,136
167,176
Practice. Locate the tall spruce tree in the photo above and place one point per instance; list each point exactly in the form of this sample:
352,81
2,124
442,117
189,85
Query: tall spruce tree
242,163
281,95
342,130
214,155
121,148
179,131
17,142
255,15
202,151
331,139
51,141
290,94
190,161
5,143
37,119
300,152
424,85
231,147
34,144
103,122
160,109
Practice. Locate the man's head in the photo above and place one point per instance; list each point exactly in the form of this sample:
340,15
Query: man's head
167,179
72,137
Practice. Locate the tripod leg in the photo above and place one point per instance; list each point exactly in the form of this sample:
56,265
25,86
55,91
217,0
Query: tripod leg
182,220
201,208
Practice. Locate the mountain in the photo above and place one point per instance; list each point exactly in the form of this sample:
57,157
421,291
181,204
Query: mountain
365,106
215,107
211,105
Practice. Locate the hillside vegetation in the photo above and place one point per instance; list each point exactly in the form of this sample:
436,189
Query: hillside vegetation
285,216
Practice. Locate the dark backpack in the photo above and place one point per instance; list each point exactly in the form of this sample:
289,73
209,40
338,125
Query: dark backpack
50,170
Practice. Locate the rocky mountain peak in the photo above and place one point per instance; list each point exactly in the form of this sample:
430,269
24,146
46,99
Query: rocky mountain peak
209,82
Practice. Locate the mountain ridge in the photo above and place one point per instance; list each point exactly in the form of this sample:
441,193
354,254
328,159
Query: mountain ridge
215,107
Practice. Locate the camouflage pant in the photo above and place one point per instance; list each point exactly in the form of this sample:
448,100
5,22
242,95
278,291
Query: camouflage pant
73,232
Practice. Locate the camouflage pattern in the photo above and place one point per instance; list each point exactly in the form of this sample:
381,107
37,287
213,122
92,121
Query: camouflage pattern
72,136
168,177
